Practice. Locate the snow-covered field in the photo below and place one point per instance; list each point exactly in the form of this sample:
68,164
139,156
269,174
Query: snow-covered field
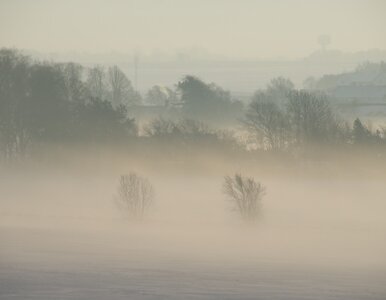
79,266
317,240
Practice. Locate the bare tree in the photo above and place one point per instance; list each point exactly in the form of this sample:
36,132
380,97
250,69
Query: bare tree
97,83
267,122
312,118
73,75
246,194
279,88
15,132
135,195
122,91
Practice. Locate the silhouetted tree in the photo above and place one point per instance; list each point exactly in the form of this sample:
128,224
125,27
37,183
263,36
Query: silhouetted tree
279,89
75,88
97,83
267,122
99,120
15,135
135,195
246,195
122,91
311,118
50,113
207,102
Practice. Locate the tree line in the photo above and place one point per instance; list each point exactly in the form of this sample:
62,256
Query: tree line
46,102
281,118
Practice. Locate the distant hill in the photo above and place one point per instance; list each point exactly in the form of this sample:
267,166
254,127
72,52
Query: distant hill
365,74
366,83
329,56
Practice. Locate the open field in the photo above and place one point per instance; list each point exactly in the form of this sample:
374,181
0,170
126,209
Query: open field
317,240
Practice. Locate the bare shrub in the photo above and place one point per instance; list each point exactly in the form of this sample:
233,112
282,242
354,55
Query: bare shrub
135,195
246,195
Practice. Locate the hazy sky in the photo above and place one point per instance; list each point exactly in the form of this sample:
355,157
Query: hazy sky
234,28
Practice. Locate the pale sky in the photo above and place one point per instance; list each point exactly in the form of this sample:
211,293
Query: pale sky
233,28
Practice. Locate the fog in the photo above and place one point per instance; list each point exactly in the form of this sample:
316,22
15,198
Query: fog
314,221
178,149
62,234
246,29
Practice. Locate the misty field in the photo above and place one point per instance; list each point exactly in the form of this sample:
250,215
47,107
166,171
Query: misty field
207,149
62,237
